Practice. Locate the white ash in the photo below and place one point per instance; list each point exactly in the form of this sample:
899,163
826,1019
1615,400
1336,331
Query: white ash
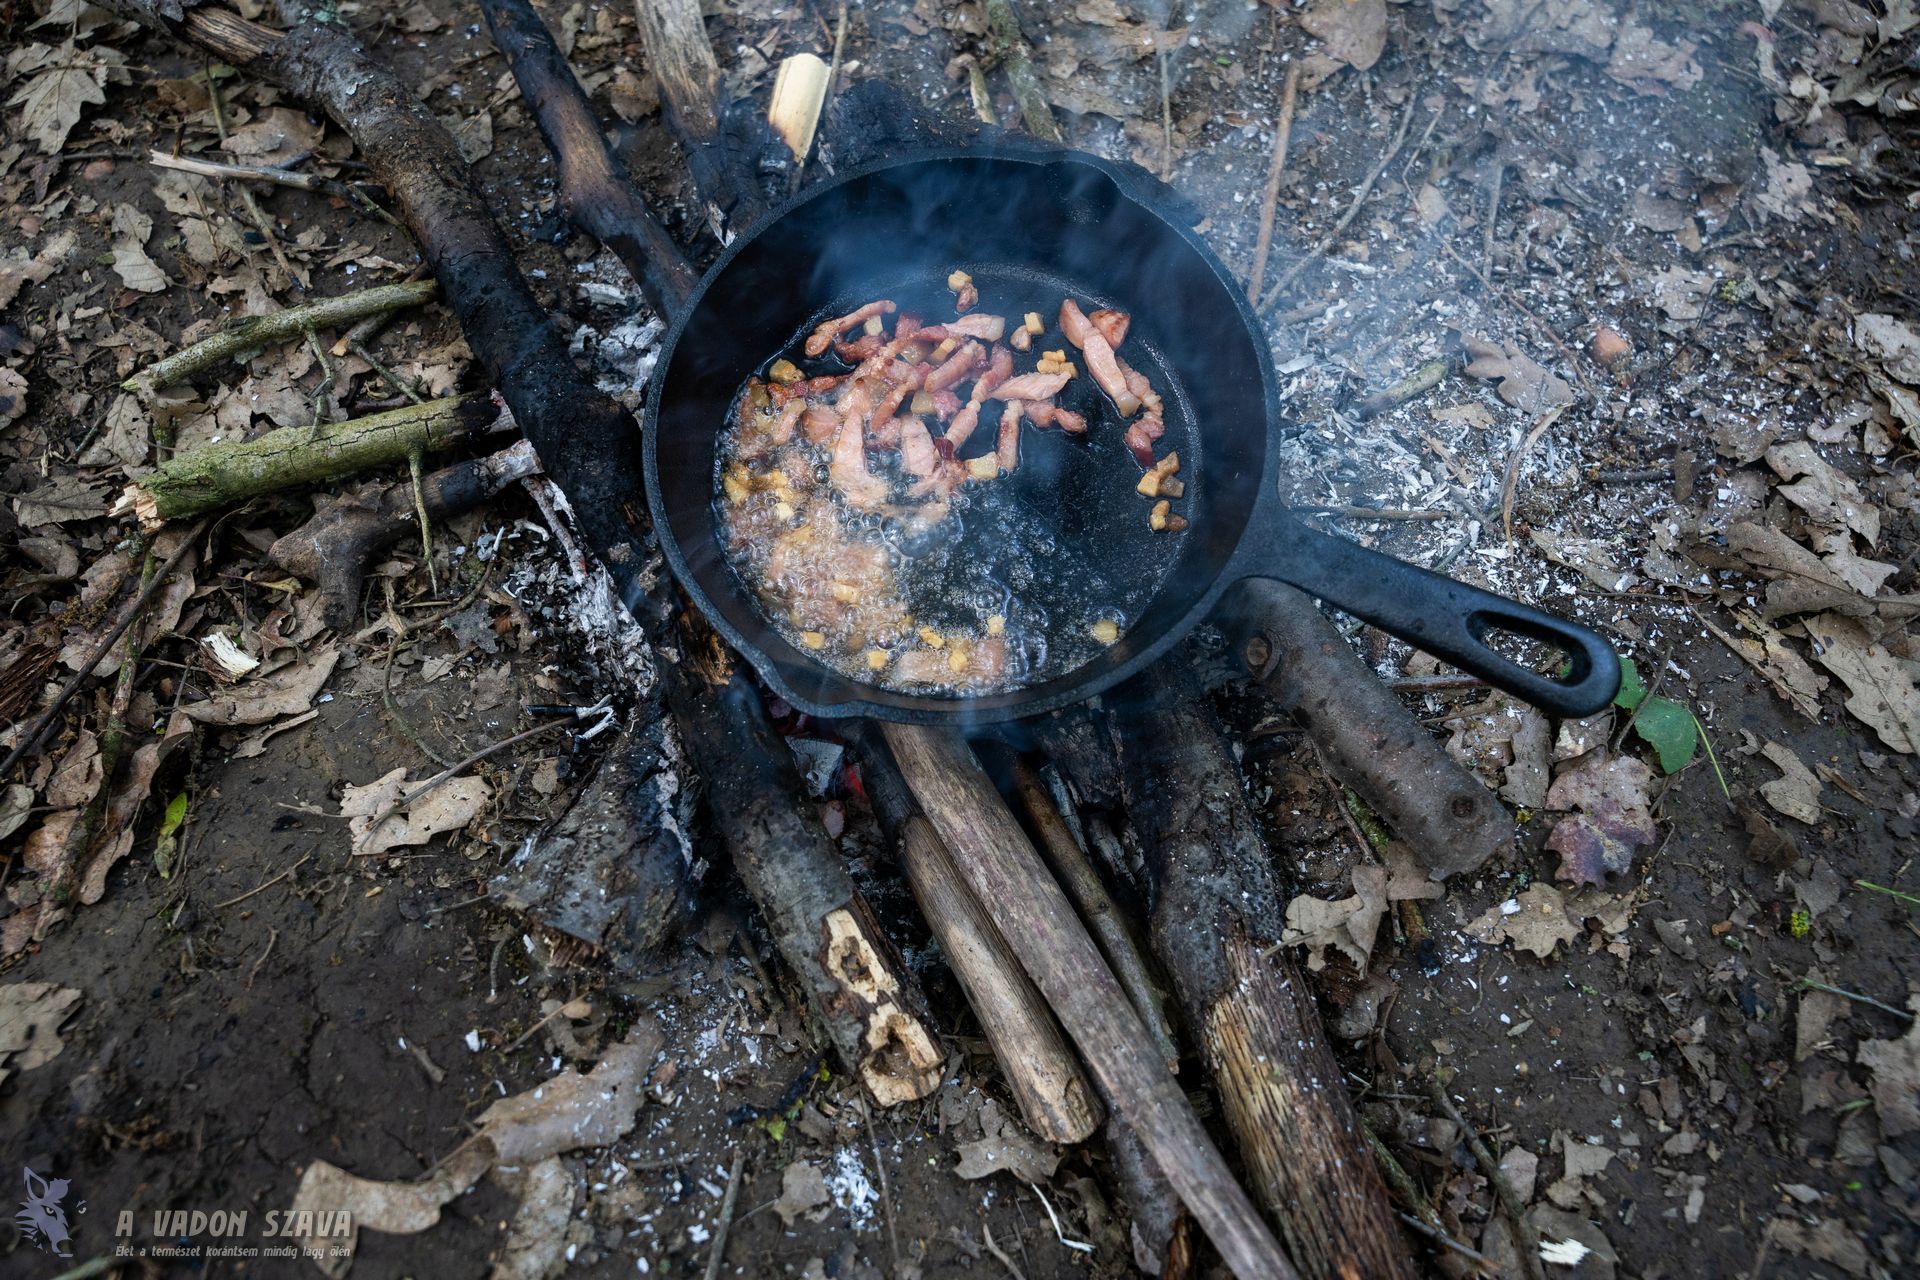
589,612
847,1182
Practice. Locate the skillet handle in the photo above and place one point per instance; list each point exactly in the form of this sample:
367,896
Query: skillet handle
1445,617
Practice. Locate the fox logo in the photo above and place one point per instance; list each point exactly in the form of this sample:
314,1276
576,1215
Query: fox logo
43,1218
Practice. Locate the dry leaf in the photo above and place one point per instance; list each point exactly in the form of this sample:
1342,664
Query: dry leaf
274,137
1682,294
61,499
1348,925
1896,1076
448,807
1892,342
1771,656
1822,492
536,1246
136,270
65,80
16,803
1355,31
18,270
803,1190
1880,693
1522,381
13,398
1648,64
127,437
1012,1151
1612,796
1797,793
288,690
569,1112
30,1018
1535,921
1591,557
1525,783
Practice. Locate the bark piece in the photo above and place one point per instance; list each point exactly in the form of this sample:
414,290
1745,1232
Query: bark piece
1369,740
612,872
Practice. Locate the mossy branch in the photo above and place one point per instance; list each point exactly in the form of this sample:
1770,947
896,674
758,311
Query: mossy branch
256,332
217,475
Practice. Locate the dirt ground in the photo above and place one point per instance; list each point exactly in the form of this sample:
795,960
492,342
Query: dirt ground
1677,400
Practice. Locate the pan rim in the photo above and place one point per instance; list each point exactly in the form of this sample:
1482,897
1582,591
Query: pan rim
1009,705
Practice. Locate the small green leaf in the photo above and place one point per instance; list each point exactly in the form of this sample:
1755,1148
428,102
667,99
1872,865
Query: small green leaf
1668,728
166,846
1631,690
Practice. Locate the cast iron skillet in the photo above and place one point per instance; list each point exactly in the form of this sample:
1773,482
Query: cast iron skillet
1040,226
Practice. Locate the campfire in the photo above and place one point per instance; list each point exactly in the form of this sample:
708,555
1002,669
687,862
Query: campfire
912,330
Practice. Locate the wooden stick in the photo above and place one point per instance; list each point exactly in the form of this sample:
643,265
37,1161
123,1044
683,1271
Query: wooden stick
1009,45
1370,741
675,37
595,191
867,1002
219,475
1109,927
1216,912
1000,865
1039,1066
1283,134
255,332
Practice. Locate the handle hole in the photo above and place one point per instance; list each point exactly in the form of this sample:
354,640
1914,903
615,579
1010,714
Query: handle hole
1530,647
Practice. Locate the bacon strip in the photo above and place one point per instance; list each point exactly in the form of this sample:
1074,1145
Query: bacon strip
983,326
1150,426
1045,413
790,414
1031,386
1102,364
825,336
1112,326
1007,447
819,424
917,453
958,366
848,467
999,369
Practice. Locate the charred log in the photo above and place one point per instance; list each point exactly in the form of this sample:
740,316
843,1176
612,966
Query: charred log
596,193
1215,917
